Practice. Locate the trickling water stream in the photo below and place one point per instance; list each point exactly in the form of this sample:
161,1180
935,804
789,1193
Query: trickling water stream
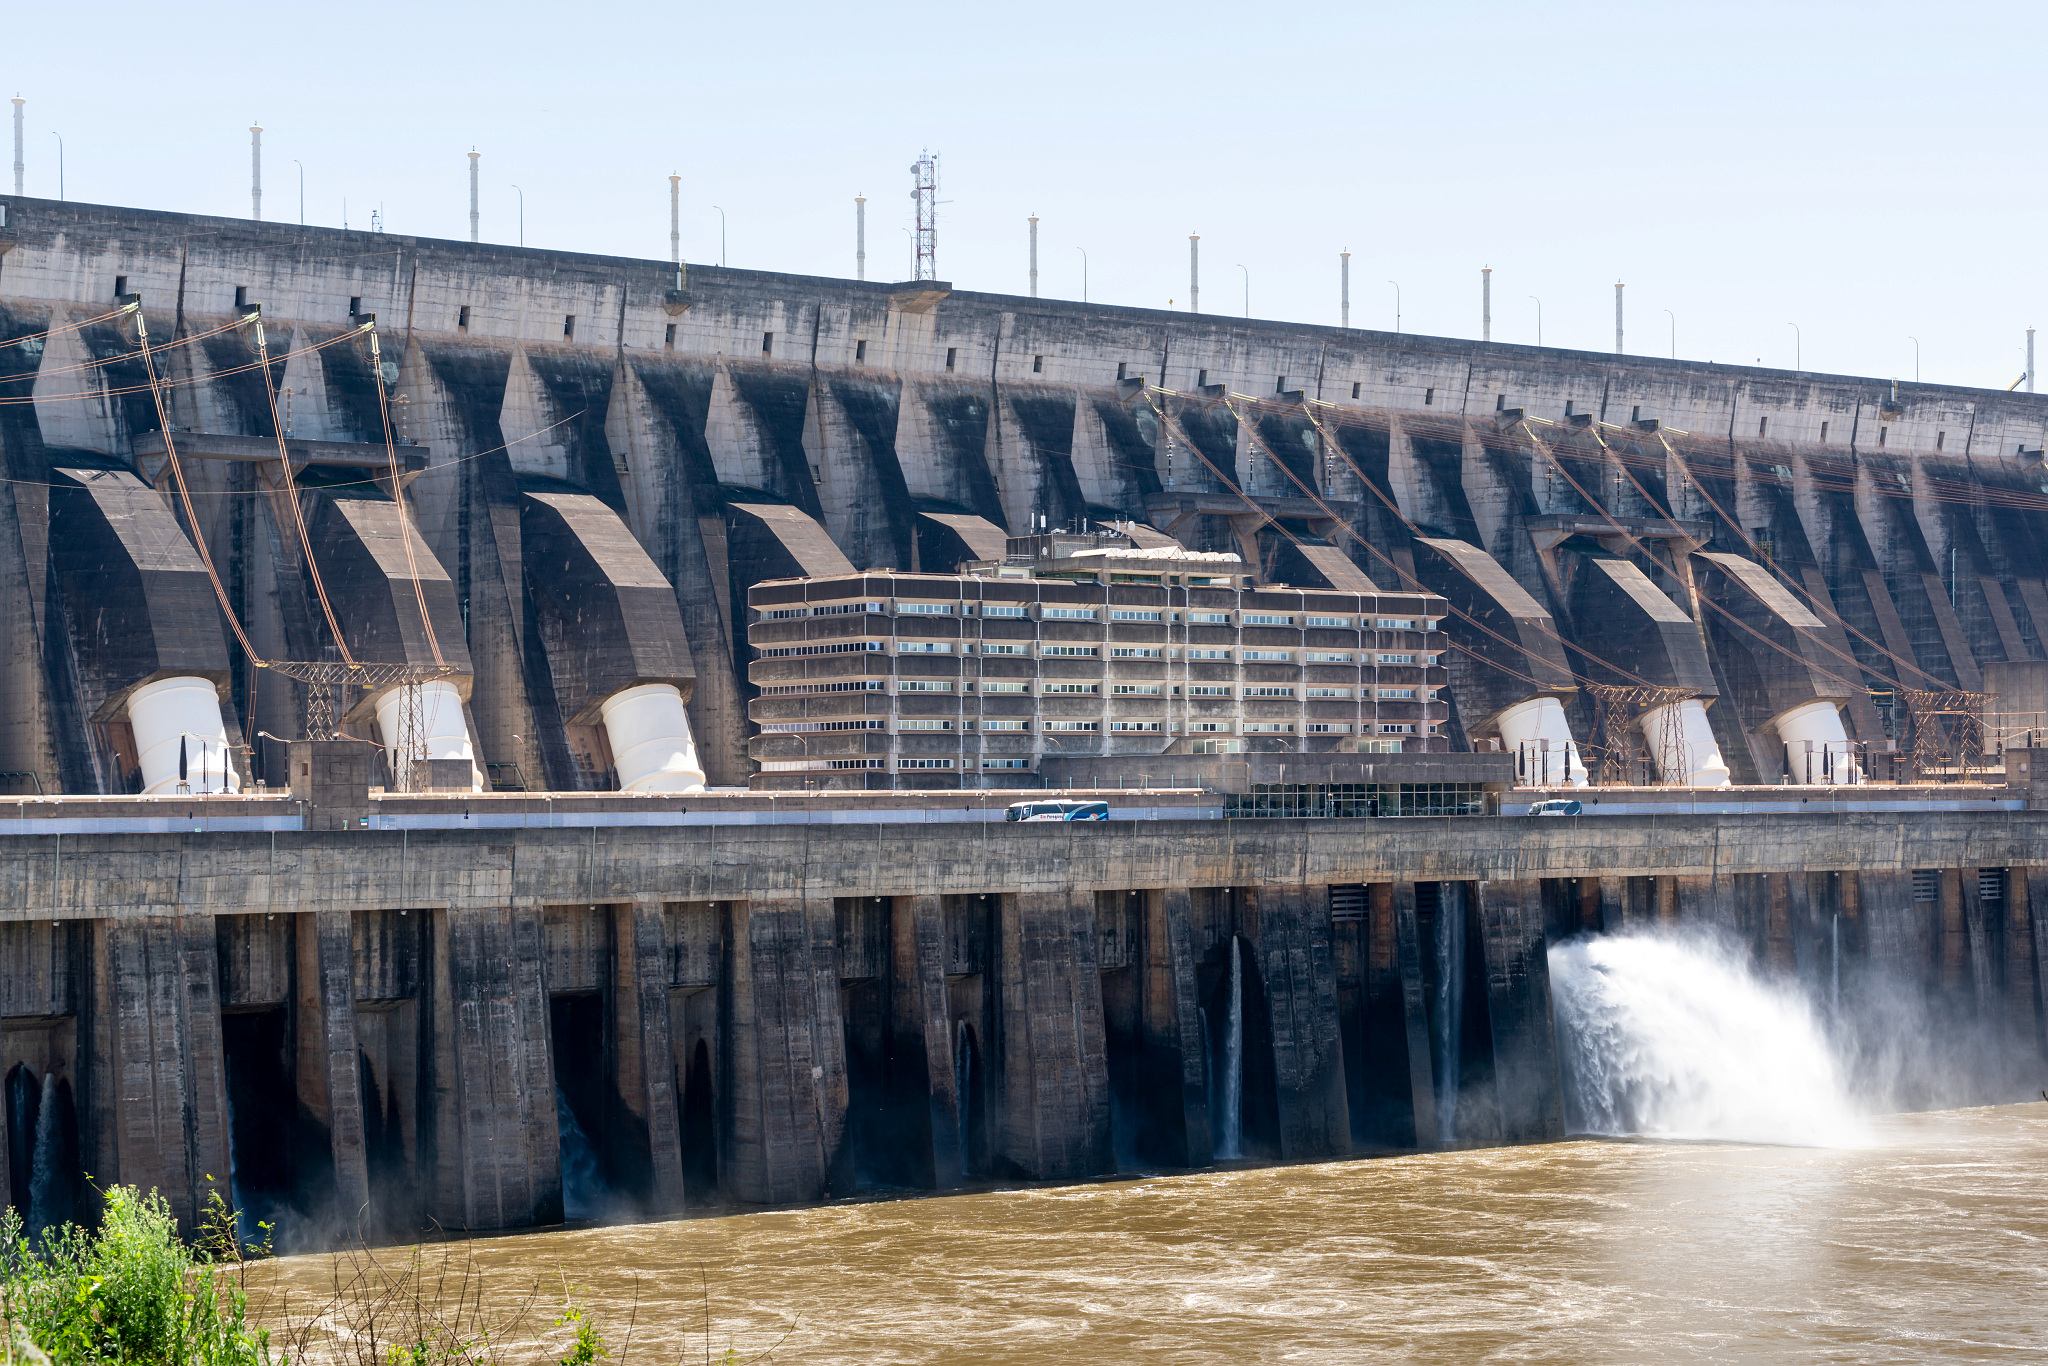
583,1191
1230,1128
1675,1037
1450,1011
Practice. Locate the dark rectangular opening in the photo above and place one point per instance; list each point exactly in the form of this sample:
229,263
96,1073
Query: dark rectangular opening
860,351
952,353
1939,438
1763,426
1279,383
1567,407
585,1110
1120,368
1823,431
241,296
1037,365
668,337
569,326
1500,403
120,285
1428,397
1357,388
1635,414
767,343
355,305
1880,435
278,1155
462,319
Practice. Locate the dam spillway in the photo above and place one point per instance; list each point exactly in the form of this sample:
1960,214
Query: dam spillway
361,678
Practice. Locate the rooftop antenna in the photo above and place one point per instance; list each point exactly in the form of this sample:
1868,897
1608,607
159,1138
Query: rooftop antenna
256,171
19,165
472,194
675,226
860,237
925,181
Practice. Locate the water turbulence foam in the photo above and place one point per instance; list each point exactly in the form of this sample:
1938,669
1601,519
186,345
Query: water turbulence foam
1675,1037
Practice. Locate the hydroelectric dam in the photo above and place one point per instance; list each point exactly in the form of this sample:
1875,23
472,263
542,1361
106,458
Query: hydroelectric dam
499,734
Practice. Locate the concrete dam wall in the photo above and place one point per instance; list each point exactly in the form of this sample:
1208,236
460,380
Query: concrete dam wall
376,1029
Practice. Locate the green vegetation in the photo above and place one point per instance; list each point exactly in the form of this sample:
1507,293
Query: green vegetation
132,1291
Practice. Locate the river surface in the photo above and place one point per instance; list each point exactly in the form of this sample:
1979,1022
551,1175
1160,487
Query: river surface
1930,1241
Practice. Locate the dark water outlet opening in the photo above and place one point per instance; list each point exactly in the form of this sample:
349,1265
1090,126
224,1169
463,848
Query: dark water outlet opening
1130,1134
1258,1097
1478,1102
879,1152
970,1084
576,1029
266,1143
699,1129
24,1101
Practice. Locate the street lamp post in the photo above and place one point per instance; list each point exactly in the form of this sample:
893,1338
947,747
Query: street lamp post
1397,304
1539,320
1247,289
1916,358
721,235
1798,345
1674,332
302,190
1084,273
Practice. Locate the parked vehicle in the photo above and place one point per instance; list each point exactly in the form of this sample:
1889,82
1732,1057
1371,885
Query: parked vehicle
1556,806
1058,810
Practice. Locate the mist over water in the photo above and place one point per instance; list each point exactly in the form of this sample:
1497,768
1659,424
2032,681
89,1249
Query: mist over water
1672,1036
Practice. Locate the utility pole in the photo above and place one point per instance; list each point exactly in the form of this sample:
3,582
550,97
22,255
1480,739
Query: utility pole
472,194
675,226
256,171
1344,289
1486,303
1034,255
1617,317
860,237
1194,272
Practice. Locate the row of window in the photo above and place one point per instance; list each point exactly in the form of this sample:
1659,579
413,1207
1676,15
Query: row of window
1052,650
1049,612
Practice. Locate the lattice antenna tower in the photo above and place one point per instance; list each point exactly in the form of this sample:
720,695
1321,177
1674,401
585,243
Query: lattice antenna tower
924,174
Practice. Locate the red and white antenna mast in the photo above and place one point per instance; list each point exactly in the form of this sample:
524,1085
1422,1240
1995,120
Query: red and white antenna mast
925,174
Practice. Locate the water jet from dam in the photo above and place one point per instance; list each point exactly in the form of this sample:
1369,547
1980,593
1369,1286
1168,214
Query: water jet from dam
1676,1037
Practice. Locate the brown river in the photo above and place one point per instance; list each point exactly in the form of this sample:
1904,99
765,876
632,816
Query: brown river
1930,1241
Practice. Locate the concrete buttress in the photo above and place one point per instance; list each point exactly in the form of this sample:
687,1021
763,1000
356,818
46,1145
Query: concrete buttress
644,1049
1415,1010
788,1119
1531,1095
1299,969
1054,1077
1173,1064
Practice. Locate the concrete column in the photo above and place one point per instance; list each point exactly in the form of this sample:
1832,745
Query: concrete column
157,1016
1052,1120
1174,1072
497,1149
643,1052
788,1137
1414,1002
1954,937
1292,929
1531,1094
922,1076
329,1071
2035,880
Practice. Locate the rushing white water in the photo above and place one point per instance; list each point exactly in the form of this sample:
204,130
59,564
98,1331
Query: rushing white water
583,1192
1675,1037
1450,1010
43,1167
1230,1140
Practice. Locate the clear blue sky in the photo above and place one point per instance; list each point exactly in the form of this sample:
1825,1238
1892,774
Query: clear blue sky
1859,170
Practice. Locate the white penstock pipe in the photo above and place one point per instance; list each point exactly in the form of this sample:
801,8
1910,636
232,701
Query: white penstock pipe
650,738
1698,761
440,716
1535,728
172,710
1830,758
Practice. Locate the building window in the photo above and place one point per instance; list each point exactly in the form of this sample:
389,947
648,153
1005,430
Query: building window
1397,659
767,343
924,763
1329,621
1428,397
1269,691
922,723
925,609
1329,692
952,353
1069,613
1075,651
1880,435
1216,747
1269,654
1048,689
999,609
1038,365
987,724
860,352
1763,426
1357,387
922,685
1266,619
462,320
1823,431
668,338
1397,623
120,285
1005,687
569,326
1939,437
1005,763
990,647
1208,654
1209,690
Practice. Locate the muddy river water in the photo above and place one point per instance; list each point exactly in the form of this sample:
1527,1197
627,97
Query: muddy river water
1929,1240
